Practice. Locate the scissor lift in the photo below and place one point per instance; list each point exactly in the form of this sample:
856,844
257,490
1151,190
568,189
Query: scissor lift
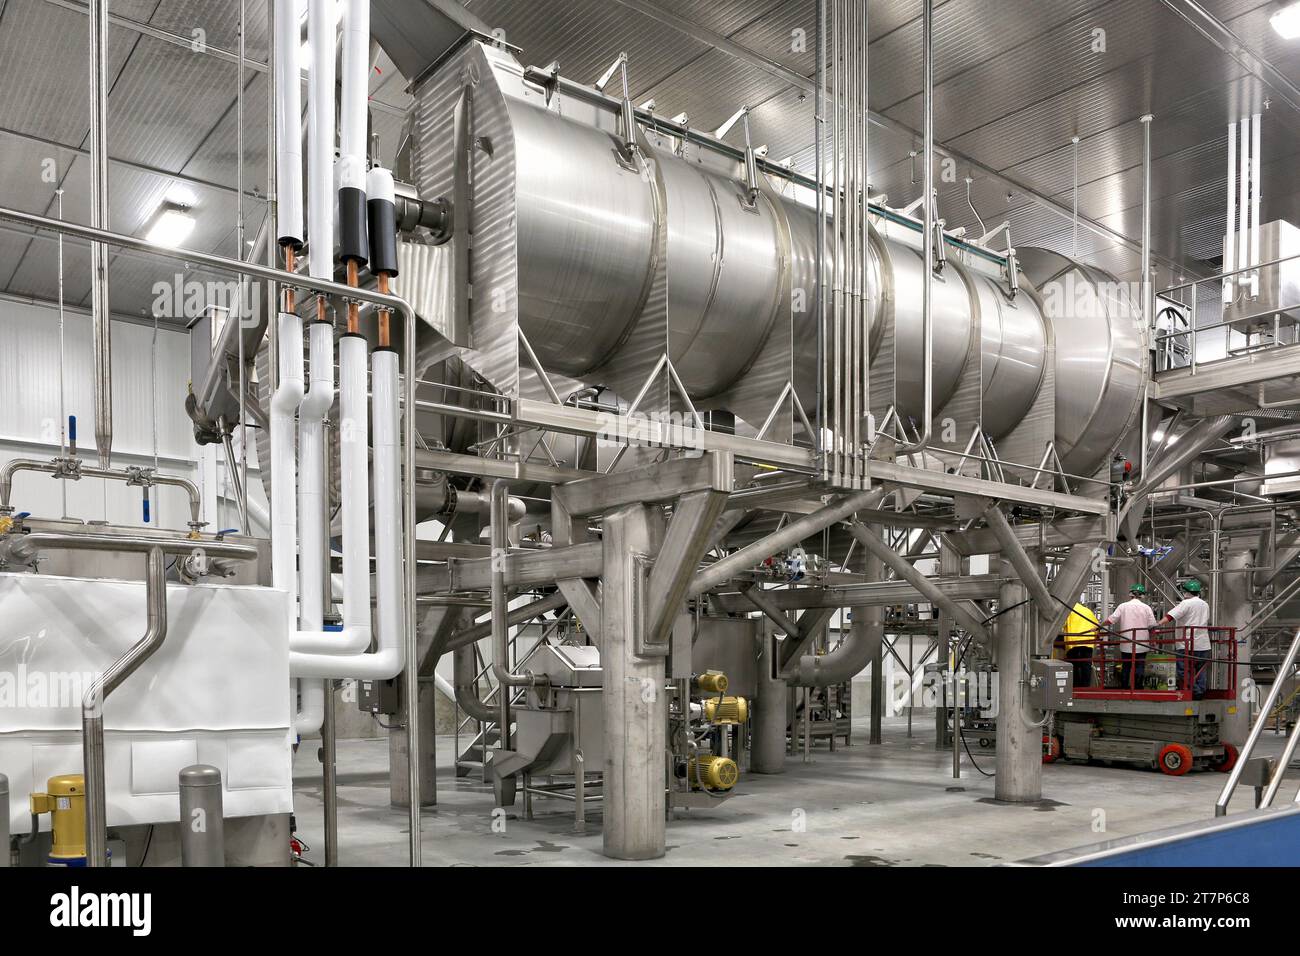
1154,722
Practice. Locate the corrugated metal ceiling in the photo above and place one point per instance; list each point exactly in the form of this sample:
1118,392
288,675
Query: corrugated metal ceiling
1014,82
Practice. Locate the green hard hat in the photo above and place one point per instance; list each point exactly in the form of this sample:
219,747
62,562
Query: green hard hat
1138,589
1191,586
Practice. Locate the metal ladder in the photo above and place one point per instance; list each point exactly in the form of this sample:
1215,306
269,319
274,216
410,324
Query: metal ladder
1256,731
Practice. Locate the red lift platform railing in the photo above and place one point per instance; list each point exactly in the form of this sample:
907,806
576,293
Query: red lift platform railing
1136,664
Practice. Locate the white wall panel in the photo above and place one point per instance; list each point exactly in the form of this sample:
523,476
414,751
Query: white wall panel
149,388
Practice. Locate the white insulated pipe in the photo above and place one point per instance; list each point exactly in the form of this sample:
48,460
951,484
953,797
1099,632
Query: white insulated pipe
284,465
1243,202
390,657
354,489
1254,201
311,476
285,402
320,139
1230,239
288,125
356,75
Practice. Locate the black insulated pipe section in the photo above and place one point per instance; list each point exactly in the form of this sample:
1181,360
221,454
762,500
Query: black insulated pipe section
352,225
383,237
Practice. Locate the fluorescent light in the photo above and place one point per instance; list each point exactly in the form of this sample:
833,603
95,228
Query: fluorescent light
1287,21
1159,436
171,227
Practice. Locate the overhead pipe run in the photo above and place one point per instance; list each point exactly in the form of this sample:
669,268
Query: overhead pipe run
101,317
137,476
927,233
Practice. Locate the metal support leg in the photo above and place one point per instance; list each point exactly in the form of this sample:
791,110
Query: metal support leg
634,699
1019,747
329,777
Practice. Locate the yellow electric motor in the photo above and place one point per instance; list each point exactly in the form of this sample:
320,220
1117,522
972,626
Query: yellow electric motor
711,772
726,710
65,802
712,682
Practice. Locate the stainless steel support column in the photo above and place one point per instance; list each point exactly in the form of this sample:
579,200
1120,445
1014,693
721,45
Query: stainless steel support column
767,748
99,299
877,637
634,699
1019,749
203,835
329,776
1233,588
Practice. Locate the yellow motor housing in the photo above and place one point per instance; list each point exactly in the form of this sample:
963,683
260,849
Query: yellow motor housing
712,682
713,772
65,802
726,710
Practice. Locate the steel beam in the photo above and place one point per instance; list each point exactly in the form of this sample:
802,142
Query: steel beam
1019,559
788,536
969,587
873,543
756,596
660,482
523,569
684,544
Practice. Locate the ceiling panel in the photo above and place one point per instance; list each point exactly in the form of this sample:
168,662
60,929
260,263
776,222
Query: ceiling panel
45,66
585,36
219,23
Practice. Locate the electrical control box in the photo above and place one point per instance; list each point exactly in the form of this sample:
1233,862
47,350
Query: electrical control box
378,697
1051,684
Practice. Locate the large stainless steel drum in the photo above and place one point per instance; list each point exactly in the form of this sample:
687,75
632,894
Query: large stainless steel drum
1101,356
586,235
588,220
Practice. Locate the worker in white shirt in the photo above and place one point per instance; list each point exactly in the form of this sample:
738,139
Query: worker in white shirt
1192,615
1133,620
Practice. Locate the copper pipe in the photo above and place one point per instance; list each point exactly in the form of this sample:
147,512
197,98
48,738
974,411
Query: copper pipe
290,263
354,310
384,314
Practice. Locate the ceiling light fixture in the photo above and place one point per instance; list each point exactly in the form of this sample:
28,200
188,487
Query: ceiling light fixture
1287,21
170,226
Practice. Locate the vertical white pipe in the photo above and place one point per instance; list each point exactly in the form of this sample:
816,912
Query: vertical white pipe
313,543
288,125
354,450
388,498
1243,202
320,137
1254,202
284,467
354,492
356,76
1230,239
390,657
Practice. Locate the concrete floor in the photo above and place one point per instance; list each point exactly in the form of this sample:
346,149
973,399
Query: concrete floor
890,805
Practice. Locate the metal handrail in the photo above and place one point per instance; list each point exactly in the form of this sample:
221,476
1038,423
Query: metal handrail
1228,275
1256,731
